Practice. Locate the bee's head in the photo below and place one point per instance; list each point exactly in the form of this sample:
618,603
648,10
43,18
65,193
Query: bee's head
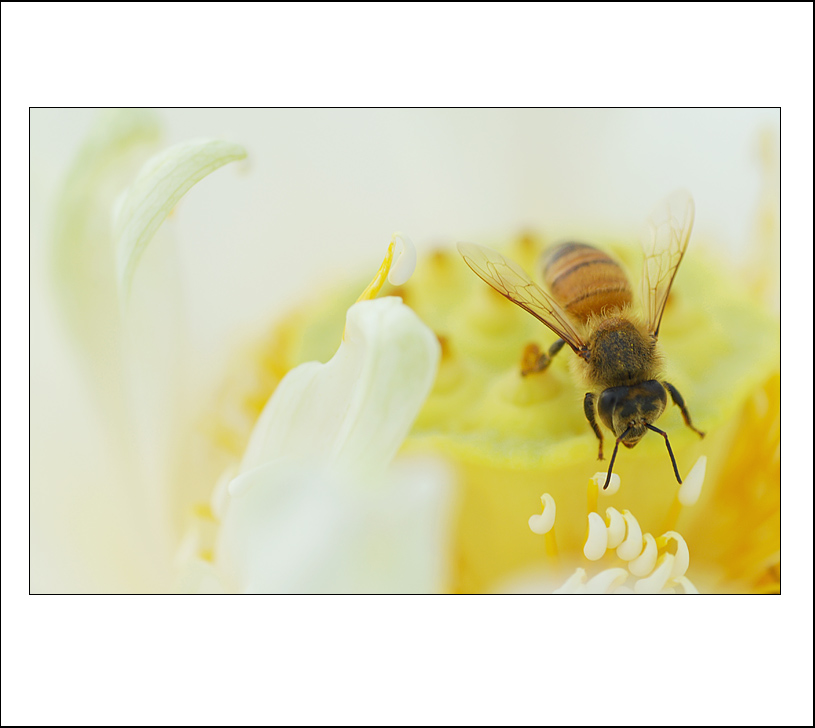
627,411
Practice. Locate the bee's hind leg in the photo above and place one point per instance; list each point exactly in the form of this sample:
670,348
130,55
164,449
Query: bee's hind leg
588,409
534,360
679,402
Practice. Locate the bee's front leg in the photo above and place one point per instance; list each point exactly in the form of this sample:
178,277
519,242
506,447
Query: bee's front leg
588,409
680,402
534,360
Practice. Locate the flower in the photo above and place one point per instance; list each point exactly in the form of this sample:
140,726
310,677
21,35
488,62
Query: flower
123,459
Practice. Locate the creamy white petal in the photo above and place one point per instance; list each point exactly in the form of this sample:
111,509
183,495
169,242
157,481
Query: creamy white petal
303,528
354,411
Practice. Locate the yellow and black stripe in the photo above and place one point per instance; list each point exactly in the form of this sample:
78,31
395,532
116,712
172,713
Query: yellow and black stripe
584,280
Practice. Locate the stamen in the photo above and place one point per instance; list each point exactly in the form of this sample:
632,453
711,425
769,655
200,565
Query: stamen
682,556
597,540
653,584
405,263
613,484
632,546
397,273
692,487
644,563
606,581
615,527
575,584
685,583
543,523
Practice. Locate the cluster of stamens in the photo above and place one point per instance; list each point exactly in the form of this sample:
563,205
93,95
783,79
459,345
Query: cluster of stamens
639,562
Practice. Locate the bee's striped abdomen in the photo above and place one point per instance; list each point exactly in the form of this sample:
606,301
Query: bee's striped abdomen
584,280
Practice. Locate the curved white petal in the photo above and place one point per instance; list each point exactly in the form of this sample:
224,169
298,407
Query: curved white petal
161,183
314,507
354,411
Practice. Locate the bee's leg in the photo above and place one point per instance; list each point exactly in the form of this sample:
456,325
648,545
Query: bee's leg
534,361
679,402
588,409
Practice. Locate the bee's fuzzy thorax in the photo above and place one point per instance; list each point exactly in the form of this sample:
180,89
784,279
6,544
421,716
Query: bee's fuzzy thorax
621,350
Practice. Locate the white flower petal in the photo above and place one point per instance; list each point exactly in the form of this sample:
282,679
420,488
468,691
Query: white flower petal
354,411
302,528
160,184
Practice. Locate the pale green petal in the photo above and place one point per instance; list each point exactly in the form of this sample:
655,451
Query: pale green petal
354,411
82,250
162,182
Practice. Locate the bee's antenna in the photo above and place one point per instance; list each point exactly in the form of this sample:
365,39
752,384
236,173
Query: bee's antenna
614,455
670,452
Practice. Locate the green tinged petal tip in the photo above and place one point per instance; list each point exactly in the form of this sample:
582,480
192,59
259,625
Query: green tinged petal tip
159,186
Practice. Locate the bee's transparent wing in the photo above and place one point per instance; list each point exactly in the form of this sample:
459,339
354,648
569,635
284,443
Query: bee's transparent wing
664,242
510,280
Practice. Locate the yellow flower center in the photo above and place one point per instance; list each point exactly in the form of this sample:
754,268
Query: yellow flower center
512,437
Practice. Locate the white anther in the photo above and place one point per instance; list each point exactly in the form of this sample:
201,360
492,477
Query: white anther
606,581
575,584
632,546
613,484
615,528
689,490
405,260
685,583
653,584
597,541
644,563
544,522
682,553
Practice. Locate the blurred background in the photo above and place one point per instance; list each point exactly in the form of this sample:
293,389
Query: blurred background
322,191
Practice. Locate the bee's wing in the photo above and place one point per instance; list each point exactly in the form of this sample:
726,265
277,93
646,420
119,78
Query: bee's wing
510,280
664,242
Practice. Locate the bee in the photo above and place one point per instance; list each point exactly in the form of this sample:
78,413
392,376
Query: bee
590,307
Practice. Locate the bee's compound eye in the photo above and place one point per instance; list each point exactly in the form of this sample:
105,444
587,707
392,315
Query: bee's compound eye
609,400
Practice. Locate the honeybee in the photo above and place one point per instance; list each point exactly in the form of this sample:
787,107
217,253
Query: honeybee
590,307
